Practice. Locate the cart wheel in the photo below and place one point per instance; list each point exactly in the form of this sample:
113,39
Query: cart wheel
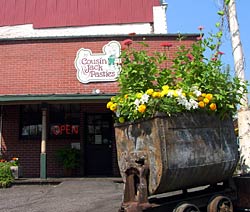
186,207
220,204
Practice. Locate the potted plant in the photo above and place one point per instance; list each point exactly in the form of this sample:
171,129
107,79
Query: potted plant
174,118
69,158
15,168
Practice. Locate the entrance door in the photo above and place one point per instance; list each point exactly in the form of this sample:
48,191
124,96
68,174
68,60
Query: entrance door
99,145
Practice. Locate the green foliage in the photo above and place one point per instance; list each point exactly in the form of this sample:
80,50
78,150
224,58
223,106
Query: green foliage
6,178
190,81
139,70
68,157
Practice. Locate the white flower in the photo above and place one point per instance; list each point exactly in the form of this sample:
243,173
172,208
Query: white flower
170,93
193,103
144,98
182,100
137,103
179,92
195,91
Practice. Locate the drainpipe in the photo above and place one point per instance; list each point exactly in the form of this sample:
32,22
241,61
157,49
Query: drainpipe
43,160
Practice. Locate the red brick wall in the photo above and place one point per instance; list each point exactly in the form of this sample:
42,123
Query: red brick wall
47,66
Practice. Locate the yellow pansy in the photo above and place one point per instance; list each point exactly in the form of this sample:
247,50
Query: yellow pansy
212,106
209,96
164,93
206,100
138,95
109,104
165,87
113,107
142,108
201,104
156,94
149,92
175,94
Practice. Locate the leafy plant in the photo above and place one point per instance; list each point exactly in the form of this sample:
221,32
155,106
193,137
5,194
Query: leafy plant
68,157
190,81
6,178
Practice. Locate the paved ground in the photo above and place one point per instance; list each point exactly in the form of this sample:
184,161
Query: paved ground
74,195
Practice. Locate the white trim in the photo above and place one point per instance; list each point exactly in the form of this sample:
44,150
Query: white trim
27,30
160,20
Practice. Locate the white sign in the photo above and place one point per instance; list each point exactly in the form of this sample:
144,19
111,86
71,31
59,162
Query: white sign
99,67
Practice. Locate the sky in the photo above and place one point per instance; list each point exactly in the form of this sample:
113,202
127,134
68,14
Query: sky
185,16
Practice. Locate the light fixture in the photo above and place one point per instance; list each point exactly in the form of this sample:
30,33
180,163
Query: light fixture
96,91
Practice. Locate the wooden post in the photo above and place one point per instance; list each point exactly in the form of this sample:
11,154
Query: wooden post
43,161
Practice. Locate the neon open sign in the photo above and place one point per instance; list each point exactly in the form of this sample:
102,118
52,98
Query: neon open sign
64,129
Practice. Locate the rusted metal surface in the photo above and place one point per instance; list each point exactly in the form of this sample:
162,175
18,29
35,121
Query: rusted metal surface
243,191
186,207
180,152
220,204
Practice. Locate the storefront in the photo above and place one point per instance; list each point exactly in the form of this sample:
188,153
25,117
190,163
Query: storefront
59,70
63,107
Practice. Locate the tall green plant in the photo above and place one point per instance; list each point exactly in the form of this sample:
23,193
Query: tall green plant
6,178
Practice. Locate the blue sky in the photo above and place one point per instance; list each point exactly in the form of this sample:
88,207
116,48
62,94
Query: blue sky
185,16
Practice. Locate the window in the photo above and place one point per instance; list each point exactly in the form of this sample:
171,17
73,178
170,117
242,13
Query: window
99,129
31,121
64,120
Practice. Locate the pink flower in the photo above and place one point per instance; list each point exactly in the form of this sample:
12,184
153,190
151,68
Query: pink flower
123,47
127,42
220,53
166,44
214,59
200,28
190,57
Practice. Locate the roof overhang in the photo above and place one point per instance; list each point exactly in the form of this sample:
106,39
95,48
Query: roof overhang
54,98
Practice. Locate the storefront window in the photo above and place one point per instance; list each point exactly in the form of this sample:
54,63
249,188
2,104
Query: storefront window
64,120
31,121
99,129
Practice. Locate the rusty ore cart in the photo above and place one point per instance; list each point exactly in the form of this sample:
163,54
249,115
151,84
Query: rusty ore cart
180,163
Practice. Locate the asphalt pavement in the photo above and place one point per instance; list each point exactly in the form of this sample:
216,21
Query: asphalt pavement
71,195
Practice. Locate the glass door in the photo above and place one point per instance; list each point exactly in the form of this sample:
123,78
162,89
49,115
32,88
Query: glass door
99,145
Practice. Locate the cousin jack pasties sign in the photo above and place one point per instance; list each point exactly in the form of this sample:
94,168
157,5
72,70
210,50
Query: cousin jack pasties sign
96,67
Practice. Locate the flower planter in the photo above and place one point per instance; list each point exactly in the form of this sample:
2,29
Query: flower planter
178,152
16,171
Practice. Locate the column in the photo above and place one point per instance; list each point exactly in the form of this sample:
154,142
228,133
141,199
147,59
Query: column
43,160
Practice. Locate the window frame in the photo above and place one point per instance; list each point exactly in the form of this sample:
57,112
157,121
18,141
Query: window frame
66,117
31,119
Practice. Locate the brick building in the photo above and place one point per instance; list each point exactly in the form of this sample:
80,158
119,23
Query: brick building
58,69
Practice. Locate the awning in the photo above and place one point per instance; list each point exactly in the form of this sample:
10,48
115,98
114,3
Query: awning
54,98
